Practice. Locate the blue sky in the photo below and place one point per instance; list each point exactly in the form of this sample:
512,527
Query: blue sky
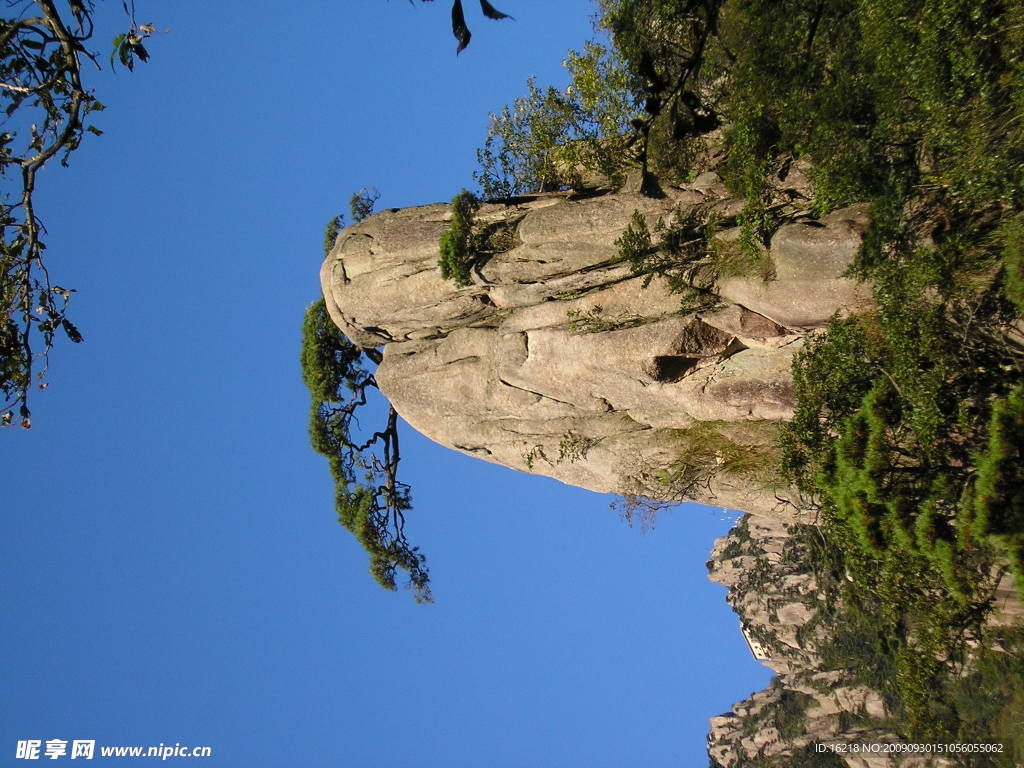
172,566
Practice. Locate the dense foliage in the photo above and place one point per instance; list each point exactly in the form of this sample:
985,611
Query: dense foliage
631,103
908,430
900,409
551,139
673,58
467,242
908,434
457,245
851,636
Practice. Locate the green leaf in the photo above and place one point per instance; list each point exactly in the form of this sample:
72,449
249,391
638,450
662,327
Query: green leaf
118,42
94,130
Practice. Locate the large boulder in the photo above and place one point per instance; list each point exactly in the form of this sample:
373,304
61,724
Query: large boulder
558,361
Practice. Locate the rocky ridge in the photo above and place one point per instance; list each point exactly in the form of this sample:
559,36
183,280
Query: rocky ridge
781,607
558,361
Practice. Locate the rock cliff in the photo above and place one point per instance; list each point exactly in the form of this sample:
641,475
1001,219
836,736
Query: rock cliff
808,709
558,361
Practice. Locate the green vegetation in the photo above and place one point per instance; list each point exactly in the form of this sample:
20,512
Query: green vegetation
704,451
888,626
466,242
910,419
990,699
878,94
907,436
360,205
370,500
1012,237
551,139
573,447
674,64
936,684
362,202
687,252
790,713
909,426
738,538
530,457
636,103
457,251
334,225
636,247
908,431
591,321
594,320
805,757
998,493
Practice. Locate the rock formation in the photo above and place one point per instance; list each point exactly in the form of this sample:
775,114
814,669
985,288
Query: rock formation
808,708
557,360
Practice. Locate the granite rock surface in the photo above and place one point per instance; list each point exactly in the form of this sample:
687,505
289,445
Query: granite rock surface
557,360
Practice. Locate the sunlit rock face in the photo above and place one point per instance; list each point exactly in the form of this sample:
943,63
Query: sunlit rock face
558,361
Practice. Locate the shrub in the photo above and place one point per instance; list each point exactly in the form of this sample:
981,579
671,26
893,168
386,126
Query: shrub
334,226
457,243
360,206
362,202
573,447
790,713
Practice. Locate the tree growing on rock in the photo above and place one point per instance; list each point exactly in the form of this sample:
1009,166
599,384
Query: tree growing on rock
634,103
550,139
457,243
370,500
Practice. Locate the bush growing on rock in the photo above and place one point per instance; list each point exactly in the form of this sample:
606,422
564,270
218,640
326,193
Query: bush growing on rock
457,244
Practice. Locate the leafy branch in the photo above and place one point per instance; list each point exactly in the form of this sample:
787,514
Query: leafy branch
46,105
370,499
